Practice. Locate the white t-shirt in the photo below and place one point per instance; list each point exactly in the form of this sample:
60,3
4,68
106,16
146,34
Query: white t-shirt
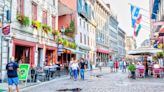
75,66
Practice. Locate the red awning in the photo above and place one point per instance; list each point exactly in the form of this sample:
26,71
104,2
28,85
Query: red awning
161,30
103,51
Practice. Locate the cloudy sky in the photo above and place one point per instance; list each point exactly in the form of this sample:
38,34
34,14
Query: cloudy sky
122,9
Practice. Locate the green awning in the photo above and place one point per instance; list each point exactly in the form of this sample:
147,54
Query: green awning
75,51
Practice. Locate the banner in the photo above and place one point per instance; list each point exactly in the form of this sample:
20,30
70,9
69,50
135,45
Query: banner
24,69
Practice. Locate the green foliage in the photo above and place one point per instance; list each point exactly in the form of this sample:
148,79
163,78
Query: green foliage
65,42
131,67
36,24
160,54
60,40
56,33
46,28
24,20
71,27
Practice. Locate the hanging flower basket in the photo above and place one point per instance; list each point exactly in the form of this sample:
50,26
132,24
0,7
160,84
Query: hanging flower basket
36,24
60,40
24,20
56,33
46,28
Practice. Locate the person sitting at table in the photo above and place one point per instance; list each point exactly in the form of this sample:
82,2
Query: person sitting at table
140,69
156,65
156,70
58,69
33,73
140,66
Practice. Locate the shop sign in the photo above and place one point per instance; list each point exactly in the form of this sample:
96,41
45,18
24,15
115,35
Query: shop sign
24,69
6,30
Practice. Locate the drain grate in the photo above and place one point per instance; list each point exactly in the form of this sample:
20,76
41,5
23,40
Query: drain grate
72,90
98,76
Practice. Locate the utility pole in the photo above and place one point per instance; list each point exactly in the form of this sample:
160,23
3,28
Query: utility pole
5,37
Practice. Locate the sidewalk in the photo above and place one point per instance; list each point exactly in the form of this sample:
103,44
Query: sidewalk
4,86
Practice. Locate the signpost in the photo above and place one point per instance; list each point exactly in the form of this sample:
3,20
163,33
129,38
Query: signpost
24,69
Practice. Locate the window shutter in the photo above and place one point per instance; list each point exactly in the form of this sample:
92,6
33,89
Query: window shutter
34,11
53,22
22,7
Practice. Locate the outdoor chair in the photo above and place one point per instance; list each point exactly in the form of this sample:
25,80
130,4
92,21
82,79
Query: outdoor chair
33,75
156,72
141,72
41,74
162,71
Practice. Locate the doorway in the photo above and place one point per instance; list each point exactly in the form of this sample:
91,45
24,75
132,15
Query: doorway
22,53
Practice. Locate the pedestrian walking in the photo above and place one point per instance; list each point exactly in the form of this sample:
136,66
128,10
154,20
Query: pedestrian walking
145,63
75,68
91,63
111,65
70,68
100,66
121,65
116,65
124,66
58,69
82,68
12,69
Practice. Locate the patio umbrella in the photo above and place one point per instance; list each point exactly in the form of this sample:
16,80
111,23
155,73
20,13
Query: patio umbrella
144,51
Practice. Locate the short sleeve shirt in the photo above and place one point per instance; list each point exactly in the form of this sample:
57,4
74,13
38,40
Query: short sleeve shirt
82,64
12,69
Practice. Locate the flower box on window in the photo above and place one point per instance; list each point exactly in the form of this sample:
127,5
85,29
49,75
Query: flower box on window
36,24
46,28
56,33
24,20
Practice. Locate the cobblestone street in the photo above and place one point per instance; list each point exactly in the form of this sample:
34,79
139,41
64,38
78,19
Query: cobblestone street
104,82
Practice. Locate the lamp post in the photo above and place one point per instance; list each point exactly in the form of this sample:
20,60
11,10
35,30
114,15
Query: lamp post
62,30
60,46
5,30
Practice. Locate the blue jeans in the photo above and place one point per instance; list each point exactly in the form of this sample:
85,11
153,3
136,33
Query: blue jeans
75,74
82,73
12,81
71,72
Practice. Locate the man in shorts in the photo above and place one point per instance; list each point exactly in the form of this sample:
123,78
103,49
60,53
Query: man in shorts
12,69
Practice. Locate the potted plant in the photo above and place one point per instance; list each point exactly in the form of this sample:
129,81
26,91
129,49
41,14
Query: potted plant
65,42
69,31
46,28
132,69
60,40
56,33
24,20
36,24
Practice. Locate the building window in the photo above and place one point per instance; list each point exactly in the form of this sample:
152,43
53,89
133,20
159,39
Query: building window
87,27
80,21
44,21
53,22
88,40
20,7
34,11
54,2
81,38
84,24
84,39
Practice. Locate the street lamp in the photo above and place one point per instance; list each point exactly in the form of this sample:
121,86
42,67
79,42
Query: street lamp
62,30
